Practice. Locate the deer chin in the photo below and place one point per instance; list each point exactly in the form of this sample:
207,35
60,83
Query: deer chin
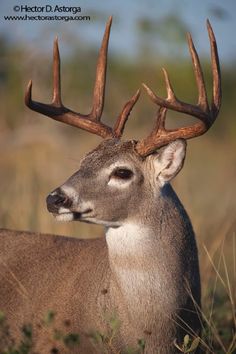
86,216
64,217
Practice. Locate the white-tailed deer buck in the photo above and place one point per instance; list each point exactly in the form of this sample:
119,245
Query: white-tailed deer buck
145,271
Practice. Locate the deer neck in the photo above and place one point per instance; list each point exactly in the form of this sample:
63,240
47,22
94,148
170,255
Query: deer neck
141,257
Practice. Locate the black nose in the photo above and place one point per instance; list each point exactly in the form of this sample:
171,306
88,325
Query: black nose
56,200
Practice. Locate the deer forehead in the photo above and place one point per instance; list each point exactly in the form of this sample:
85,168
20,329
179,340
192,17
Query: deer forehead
109,155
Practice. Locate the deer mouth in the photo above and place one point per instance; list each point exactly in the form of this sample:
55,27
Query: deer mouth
67,215
81,215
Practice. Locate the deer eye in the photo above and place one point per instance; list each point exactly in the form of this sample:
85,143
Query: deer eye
122,173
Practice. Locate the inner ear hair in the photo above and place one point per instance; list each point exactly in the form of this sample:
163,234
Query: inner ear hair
171,160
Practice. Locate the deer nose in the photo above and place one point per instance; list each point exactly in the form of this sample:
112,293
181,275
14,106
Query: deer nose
56,200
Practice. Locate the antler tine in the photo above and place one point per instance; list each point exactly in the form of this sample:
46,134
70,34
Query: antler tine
160,136
202,95
56,100
56,107
156,138
216,75
89,122
100,82
173,103
169,89
124,115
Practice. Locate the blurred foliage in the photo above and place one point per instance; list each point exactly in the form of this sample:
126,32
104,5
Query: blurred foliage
11,77
219,12
170,29
60,341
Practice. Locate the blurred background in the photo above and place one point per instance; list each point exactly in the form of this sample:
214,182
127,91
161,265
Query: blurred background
38,154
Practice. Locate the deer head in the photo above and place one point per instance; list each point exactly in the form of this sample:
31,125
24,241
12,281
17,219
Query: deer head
119,179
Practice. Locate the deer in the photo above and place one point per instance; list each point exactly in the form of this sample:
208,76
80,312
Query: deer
145,271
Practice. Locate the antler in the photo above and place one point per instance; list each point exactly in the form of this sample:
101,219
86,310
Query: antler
89,122
160,136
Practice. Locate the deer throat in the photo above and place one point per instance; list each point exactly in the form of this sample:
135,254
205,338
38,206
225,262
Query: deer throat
138,269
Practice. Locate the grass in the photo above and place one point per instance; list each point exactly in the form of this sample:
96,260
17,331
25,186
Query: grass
26,344
219,302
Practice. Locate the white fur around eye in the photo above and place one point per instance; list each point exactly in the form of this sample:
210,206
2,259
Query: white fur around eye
119,182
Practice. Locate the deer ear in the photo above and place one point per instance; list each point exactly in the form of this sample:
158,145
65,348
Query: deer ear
169,161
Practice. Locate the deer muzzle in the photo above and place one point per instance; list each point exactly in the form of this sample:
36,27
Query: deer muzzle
56,200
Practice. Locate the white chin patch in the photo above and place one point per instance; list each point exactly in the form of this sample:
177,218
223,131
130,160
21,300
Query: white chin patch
64,217
64,211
